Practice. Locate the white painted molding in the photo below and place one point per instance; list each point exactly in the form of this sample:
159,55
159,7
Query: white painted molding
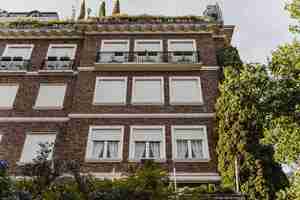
195,177
144,115
203,68
33,119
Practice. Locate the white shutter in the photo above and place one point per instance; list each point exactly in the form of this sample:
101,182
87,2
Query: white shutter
106,134
8,94
181,45
115,46
189,133
51,96
18,51
31,146
148,91
147,134
111,91
148,45
61,51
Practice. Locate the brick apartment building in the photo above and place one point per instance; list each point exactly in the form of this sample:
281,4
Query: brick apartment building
112,91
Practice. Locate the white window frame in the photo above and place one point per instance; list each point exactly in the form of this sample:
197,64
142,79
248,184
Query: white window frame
89,146
38,107
171,94
1,136
182,40
12,104
61,46
204,139
122,78
132,143
162,90
103,41
19,45
21,161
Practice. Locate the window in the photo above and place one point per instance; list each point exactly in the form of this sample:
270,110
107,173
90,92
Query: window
147,142
9,93
32,146
105,143
110,90
148,50
18,50
114,51
185,90
51,96
148,90
190,143
182,51
62,51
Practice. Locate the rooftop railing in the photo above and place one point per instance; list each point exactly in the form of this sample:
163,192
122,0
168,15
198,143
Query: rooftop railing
58,63
176,57
14,63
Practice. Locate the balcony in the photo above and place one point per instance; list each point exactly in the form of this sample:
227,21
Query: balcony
178,57
148,61
14,64
58,63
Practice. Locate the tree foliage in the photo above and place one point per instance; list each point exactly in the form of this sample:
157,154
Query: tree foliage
240,130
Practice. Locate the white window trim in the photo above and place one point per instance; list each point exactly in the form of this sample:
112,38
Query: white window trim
183,40
1,136
98,79
205,144
89,145
132,143
137,41
103,41
18,45
37,133
63,45
13,103
36,107
162,90
171,95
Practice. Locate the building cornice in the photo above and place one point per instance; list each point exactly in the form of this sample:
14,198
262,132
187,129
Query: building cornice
142,115
33,119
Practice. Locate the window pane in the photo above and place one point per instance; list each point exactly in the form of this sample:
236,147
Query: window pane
112,149
98,150
32,146
140,150
197,149
154,150
112,46
51,96
148,91
185,90
182,149
8,95
148,46
111,91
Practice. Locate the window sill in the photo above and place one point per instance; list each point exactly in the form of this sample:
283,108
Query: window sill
108,104
14,71
192,161
138,161
103,161
6,108
56,71
195,103
147,103
47,108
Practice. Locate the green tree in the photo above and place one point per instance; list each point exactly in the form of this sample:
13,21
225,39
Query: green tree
294,9
240,129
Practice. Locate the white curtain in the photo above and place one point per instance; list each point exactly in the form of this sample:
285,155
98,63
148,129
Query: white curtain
140,150
182,149
112,149
197,151
154,150
98,149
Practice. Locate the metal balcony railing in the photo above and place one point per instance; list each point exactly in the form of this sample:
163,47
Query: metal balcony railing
14,63
58,63
178,57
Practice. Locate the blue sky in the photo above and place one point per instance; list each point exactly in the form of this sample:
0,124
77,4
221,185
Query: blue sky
261,25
